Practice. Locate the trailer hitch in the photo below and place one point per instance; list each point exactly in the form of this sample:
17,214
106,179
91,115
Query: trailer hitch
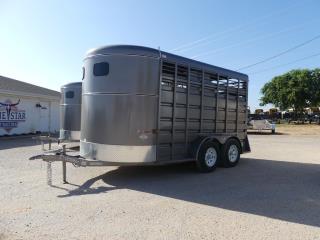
60,155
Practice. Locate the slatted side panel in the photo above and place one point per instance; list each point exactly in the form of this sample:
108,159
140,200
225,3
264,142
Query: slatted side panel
193,102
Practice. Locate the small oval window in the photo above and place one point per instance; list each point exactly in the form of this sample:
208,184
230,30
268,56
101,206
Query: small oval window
69,94
101,69
83,73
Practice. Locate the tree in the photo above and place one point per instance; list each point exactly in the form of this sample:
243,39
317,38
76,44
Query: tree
314,86
296,89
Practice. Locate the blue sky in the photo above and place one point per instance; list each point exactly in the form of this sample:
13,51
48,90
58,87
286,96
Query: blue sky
43,42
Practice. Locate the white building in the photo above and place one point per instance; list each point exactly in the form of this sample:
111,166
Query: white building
26,108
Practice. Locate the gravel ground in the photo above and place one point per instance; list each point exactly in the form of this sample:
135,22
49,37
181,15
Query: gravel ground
274,193
298,129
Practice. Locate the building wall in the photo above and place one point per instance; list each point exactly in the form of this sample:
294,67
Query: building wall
30,115
55,116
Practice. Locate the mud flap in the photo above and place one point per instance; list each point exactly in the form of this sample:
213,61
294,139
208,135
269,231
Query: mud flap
246,145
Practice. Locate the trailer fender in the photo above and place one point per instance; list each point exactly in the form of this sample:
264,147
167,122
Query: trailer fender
196,145
245,145
239,142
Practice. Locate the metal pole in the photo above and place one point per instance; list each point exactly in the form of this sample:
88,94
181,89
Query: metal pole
187,111
49,174
217,104
173,130
202,101
64,166
237,106
226,106
159,103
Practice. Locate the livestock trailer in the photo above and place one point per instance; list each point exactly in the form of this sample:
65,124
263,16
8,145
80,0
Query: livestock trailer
142,106
70,111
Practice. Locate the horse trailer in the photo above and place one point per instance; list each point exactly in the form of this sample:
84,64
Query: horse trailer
142,106
70,112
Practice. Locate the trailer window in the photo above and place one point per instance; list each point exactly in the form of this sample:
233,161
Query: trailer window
101,69
83,73
69,94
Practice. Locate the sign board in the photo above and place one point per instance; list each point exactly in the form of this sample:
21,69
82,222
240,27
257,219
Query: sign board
11,115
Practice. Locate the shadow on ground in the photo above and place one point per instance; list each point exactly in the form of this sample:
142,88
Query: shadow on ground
16,142
281,190
252,132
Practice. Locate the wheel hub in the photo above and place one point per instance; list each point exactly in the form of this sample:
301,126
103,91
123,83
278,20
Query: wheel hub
233,153
211,157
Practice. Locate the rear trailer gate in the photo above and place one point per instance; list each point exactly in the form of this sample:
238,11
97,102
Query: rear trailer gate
195,102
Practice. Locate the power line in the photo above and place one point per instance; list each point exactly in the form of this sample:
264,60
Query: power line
281,53
192,44
285,64
207,53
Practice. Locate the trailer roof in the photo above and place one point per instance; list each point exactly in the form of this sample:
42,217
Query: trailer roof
15,86
151,52
72,84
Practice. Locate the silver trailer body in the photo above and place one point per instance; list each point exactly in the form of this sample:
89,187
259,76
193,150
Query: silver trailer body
70,111
144,106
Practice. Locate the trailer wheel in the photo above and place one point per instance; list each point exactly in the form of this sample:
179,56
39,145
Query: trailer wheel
273,131
230,153
208,157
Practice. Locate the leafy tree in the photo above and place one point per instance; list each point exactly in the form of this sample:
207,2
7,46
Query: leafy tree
296,89
314,87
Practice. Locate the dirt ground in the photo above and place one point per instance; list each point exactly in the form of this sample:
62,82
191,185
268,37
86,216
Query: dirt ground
274,193
299,129
294,129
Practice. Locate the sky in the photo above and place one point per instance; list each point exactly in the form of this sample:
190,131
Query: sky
44,42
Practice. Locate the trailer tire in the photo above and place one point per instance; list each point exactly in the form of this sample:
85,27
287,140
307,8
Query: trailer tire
208,156
273,131
230,153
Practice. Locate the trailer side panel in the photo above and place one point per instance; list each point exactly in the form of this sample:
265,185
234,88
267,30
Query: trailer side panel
197,102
